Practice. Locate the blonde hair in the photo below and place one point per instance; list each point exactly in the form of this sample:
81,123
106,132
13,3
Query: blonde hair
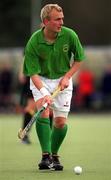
45,11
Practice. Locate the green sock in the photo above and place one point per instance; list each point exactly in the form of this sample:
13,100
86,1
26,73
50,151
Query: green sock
44,134
58,135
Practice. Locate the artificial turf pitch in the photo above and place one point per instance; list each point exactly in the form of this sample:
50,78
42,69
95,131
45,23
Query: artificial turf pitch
87,144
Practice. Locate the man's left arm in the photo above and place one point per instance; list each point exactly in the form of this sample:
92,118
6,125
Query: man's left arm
64,83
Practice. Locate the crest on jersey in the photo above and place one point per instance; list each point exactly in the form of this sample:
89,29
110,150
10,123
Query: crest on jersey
65,48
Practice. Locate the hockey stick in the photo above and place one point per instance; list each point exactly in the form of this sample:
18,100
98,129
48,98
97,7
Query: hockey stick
23,132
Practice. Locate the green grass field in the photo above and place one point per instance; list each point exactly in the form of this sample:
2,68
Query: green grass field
88,144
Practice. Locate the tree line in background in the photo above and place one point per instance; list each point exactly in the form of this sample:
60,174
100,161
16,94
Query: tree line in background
14,22
90,19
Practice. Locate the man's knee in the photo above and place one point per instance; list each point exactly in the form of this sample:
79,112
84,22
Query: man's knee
59,122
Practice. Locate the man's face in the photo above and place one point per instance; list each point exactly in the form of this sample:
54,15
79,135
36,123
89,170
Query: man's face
55,22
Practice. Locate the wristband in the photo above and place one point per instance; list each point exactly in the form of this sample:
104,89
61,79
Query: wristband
44,91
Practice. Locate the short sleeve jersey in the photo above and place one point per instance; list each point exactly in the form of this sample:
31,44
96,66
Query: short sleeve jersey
52,60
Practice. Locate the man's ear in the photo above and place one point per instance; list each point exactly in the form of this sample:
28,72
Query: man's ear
46,21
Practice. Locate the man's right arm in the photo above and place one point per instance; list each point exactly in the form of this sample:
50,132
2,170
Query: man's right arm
39,85
37,81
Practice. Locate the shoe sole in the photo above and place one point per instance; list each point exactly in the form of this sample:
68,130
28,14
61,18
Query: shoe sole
45,167
50,168
57,168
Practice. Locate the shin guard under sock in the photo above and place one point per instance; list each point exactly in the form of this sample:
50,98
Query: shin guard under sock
44,134
58,135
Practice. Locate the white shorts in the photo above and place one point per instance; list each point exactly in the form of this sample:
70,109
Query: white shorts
62,101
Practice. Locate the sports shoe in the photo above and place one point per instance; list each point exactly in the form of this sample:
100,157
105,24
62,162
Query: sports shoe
46,162
56,163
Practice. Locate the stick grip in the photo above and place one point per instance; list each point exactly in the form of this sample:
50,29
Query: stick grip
54,94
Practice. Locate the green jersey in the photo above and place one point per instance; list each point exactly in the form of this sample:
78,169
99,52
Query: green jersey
52,60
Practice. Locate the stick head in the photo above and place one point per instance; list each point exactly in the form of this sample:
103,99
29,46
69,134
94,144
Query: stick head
21,134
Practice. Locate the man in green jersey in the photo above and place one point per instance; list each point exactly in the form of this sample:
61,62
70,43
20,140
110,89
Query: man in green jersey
47,61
